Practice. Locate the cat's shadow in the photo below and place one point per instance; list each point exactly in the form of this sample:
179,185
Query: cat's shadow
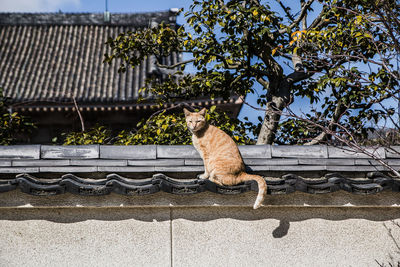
282,229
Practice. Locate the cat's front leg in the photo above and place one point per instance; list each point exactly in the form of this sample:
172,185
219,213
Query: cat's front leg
204,176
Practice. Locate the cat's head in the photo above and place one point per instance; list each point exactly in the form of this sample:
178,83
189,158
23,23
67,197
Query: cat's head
195,121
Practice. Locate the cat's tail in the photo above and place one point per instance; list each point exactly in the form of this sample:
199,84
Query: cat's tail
262,187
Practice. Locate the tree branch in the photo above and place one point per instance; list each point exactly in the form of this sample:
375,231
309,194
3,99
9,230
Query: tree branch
175,65
340,110
286,9
180,105
79,114
350,142
303,13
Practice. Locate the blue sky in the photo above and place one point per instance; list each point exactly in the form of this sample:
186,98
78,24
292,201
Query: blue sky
127,6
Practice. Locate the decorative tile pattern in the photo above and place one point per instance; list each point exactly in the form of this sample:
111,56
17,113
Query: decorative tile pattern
374,182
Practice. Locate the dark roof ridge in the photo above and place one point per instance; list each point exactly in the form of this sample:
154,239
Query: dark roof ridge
161,182
57,18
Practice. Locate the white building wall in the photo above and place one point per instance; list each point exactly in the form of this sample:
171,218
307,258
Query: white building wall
337,229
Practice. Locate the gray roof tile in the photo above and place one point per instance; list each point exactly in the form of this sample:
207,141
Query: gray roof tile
20,152
41,162
259,151
117,19
312,161
126,169
128,152
70,152
19,170
98,162
69,169
338,152
299,151
158,162
179,152
393,152
179,168
5,163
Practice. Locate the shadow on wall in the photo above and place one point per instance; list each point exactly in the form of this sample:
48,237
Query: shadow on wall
16,198
203,207
392,228
285,215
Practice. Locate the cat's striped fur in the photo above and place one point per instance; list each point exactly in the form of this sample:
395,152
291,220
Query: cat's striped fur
223,163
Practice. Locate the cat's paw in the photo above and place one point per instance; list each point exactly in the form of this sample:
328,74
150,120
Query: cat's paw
257,205
203,176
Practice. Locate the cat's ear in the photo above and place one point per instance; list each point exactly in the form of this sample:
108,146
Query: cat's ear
187,112
203,112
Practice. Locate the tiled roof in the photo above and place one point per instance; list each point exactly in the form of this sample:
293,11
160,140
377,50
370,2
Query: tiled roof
137,20
54,57
141,170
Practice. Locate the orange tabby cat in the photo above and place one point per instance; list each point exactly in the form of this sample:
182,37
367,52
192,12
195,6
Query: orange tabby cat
223,163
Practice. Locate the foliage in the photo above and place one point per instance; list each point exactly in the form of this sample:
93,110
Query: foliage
12,125
162,129
358,74
95,135
231,44
343,61
358,97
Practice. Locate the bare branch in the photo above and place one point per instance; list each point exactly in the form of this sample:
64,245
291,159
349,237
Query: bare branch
340,110
263,82
318,21
175,65
250,105
350,141
286,9
303,13
79,114
177,106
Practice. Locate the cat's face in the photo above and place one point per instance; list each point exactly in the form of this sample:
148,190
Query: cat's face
195,121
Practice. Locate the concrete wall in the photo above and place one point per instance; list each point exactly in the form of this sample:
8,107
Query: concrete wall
339,229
